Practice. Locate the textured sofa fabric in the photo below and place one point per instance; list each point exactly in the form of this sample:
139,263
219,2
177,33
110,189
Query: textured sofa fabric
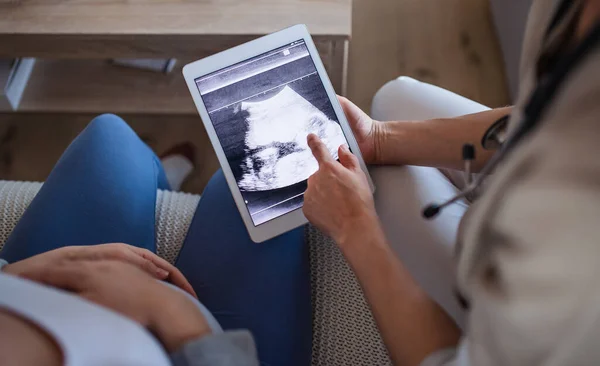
510,18
344,331
174,213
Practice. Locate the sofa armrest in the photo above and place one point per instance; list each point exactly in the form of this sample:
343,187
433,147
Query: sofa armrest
174,214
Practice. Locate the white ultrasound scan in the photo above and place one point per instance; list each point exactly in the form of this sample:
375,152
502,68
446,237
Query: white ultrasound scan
262,110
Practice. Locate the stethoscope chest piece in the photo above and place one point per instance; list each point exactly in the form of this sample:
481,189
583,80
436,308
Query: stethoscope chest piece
496,135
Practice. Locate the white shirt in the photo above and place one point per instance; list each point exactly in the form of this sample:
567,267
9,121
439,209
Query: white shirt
87,334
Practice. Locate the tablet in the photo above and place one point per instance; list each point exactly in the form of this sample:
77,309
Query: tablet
258,102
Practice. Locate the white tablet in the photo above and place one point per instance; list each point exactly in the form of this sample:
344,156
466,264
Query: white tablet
259,101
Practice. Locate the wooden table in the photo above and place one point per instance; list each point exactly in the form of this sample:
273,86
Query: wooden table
72,38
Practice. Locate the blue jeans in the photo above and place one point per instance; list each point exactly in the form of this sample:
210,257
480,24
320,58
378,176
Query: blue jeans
103,190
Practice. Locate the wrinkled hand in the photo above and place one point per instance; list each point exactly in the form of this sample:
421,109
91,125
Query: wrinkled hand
142,258
338,199
132,292
366,130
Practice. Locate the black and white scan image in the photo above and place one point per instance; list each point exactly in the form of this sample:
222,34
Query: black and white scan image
263,110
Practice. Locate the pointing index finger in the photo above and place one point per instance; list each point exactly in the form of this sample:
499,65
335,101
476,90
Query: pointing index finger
318,148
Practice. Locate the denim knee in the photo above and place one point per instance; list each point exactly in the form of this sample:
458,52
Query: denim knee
111,127
108,121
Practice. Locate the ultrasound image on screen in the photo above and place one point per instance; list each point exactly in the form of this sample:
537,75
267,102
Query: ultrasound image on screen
263,110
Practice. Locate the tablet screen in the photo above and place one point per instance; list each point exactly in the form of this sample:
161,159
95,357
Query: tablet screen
262,110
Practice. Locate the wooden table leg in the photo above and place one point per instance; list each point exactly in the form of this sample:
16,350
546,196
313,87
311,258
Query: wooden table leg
338,71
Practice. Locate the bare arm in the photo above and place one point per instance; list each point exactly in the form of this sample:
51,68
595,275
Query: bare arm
437,142
339,202
23,343
412,325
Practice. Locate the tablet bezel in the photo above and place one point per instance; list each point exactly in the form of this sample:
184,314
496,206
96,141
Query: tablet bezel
194,70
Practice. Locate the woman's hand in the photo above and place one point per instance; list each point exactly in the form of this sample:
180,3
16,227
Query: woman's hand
130,291
142,258
366,131
338,199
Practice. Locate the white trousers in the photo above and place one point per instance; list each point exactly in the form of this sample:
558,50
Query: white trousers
426,247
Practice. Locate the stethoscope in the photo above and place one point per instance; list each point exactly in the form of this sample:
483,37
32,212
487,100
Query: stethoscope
496,138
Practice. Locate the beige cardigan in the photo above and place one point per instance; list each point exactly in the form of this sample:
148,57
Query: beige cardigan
530,246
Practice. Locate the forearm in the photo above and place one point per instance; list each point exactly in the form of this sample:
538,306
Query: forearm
412,325
23,343
437,142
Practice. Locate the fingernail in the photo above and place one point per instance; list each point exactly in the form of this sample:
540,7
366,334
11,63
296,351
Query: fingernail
345,147
162,273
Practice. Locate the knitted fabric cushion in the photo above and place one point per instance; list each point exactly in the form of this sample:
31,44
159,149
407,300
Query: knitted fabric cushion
344,331
15,197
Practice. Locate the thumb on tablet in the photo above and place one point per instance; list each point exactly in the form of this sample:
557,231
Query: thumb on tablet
347,159
318,148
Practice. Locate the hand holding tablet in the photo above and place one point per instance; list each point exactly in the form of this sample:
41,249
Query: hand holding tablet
259,102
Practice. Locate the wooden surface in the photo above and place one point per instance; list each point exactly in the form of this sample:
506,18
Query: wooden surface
187,30
449,43
152,17
187,46
97,86
158,28
337,68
